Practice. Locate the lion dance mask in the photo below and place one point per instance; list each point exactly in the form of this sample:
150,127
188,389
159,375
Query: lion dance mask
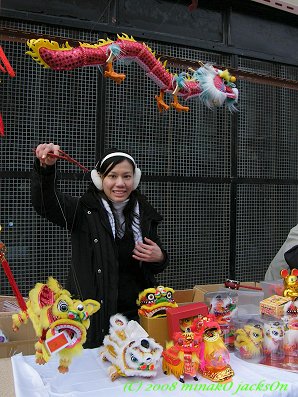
53,312
154,302
129,350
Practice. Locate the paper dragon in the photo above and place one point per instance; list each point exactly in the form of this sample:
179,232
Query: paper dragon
129,350
154,302
213,86
55,316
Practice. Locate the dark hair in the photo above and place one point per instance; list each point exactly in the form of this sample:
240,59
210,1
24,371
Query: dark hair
104,169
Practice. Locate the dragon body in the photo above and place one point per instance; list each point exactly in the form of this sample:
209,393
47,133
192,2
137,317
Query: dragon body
214,87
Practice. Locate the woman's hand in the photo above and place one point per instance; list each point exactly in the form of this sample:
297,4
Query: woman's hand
149,252
42,151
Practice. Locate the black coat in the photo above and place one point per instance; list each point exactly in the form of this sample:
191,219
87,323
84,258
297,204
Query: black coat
94,270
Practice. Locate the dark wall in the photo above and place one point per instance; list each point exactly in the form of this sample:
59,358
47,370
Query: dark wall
236,27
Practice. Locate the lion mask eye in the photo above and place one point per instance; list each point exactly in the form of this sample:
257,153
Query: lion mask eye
62,306
133,358
150,297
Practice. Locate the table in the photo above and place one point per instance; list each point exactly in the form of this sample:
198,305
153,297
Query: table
7,383
87,377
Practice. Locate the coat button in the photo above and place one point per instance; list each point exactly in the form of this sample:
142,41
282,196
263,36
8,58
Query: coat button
96,240
98,271
88,212
101,301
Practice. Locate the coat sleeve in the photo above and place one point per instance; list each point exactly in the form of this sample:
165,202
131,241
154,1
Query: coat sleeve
48,201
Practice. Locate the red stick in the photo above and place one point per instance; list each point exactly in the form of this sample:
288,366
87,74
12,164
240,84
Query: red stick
6,63
64,156
233,284
1,126
12,282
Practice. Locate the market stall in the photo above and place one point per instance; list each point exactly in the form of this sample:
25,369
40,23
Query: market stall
88,377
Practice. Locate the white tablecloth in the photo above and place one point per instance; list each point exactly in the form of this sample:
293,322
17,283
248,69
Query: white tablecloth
87,376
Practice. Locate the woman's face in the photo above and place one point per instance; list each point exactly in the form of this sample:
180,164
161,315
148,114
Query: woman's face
118,183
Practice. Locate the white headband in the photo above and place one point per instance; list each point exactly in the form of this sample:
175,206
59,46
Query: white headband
115,154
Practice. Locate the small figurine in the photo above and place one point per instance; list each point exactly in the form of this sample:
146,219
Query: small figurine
181,356
154,302
57,319
273,338
249,341
129,349
291,337
290,283
214,355
186,323
224,307
291,308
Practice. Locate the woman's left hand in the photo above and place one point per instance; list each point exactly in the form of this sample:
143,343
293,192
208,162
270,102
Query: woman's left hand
148,251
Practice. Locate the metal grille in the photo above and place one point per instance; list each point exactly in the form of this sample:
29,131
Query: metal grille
195,230
265,215
36,248
41,105
268,120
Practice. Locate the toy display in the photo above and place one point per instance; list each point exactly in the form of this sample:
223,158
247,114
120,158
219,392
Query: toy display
214,355
272,287
281,341
249,341
181,356
291,309
223,305
273,339
129,349
59,321
274,306
213,86
154,302
290,283
291,338
198,350
290,320
180,318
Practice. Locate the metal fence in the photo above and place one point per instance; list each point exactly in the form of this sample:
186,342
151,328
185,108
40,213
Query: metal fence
226,185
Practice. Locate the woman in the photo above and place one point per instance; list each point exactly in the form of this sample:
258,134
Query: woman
115,247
